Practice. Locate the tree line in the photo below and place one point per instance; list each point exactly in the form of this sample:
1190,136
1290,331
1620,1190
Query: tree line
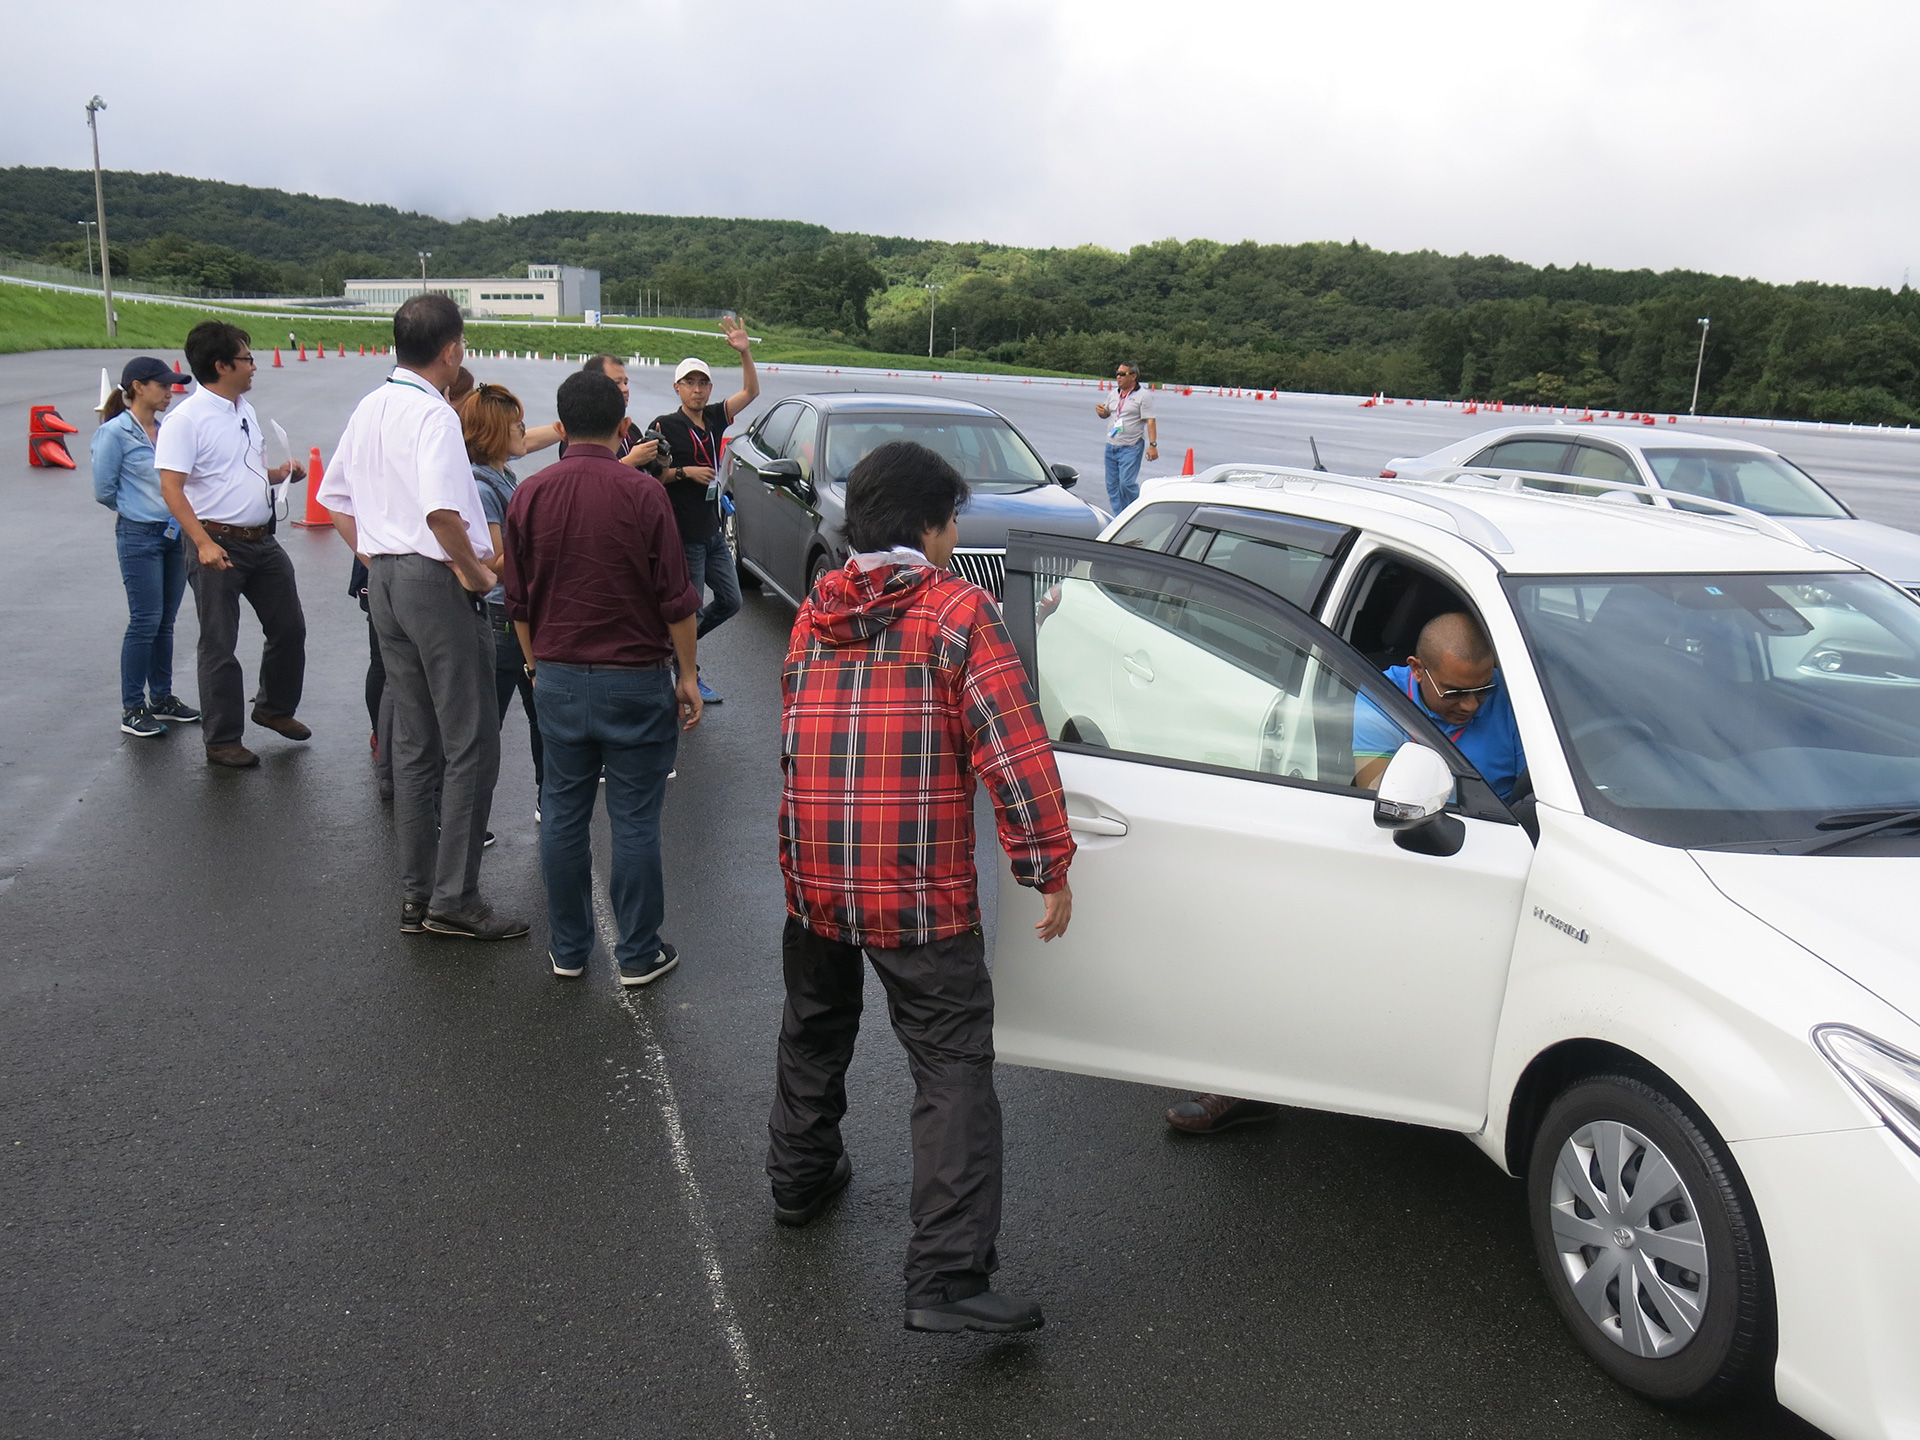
1342,318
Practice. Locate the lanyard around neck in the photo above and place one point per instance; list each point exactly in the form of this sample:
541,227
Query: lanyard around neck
396,380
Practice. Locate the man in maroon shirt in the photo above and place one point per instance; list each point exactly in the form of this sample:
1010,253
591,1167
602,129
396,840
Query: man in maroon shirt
597,588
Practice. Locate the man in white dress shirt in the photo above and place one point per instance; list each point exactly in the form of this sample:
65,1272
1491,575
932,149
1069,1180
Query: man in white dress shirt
214,478
402,494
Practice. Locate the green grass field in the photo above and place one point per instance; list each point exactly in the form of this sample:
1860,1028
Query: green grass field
34,319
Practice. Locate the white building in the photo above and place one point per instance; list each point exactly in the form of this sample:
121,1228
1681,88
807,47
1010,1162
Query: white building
547,290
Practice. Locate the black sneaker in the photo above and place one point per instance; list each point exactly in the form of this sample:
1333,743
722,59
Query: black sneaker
413,916
488,841
173,709
990,1312
140,722
479,923
805,1210
663,961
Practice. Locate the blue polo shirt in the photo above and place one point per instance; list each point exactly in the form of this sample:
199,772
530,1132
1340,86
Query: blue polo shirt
1490,741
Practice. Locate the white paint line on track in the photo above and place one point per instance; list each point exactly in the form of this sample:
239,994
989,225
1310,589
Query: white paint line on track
706,1246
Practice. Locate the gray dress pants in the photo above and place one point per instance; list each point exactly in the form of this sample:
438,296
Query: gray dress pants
940,999
263,573
446,729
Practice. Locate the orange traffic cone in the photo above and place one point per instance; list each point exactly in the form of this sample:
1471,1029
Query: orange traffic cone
276,357
1187,468
46,442
316,517
180,388
303,352
320,351
363,349
343,350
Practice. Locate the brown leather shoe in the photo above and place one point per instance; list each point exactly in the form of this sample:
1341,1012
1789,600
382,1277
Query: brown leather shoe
236,757
1206,1114
282,724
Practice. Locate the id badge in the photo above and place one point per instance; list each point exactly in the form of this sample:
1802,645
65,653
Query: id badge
173,529
713,488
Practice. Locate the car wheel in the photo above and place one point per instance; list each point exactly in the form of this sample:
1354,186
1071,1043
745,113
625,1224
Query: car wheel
819,566
748,580
1650,1245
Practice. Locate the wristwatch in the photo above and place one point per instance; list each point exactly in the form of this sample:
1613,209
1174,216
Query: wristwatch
528,670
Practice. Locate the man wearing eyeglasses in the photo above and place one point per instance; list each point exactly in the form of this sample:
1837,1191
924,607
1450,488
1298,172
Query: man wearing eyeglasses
214,478
1452,676
1129,422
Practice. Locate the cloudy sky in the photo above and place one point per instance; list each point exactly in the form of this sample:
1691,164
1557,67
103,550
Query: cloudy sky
1744,136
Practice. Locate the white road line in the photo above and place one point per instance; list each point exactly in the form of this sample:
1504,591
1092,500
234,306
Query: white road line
759,1424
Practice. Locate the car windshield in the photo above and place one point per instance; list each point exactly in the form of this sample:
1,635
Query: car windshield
1731,709
983,448
1745,477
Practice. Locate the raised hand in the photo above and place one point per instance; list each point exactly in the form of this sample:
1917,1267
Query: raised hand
735,332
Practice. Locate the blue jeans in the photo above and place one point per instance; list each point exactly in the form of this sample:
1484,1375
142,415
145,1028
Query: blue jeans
709,562
154,570
628,721
1123,474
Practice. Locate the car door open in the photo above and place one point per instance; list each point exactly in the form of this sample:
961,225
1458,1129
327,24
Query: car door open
1241,923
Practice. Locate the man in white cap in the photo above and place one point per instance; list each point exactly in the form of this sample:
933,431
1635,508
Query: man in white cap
694,435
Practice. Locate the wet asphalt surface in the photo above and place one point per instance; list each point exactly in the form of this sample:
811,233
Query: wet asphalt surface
268,1167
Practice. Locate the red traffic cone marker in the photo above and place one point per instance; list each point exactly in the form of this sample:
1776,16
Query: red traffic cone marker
303,352
1187,468
180,386
316,517
50,454
276,357
343,350
363,349
46,439
46,420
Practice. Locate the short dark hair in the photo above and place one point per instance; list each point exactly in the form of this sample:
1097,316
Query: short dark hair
212,343
590,406
898,493
1132,367
424,326
597,364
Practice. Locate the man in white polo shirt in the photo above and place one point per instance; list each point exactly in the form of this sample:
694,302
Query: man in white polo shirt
214,478
402,495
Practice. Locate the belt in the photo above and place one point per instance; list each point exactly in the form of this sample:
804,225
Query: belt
593,669
236,532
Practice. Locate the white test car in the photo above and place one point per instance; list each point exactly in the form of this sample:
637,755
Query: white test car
1671,981
1670,464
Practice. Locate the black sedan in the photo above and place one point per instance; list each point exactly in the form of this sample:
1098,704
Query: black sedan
787,476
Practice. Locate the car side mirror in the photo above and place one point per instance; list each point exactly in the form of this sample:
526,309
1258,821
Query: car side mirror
784,473
1412,802
1066,475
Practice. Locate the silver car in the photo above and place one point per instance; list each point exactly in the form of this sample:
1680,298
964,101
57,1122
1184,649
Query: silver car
1730,470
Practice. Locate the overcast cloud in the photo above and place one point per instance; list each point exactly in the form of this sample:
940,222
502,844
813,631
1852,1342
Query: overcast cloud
1753,138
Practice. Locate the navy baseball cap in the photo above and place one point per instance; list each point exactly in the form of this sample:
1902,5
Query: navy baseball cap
145,367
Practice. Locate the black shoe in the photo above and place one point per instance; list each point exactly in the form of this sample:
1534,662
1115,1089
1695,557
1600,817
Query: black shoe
1209,1114
664,959
413,916
479,923
141,722
174,710
808,1210
988,1311
487,840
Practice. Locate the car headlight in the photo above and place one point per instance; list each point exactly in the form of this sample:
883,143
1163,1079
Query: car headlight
1887,1079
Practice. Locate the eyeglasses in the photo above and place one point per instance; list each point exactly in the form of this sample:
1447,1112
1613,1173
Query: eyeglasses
244,360
1459,693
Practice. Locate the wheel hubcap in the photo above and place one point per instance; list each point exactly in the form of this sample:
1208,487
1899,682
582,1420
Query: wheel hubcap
1629,1238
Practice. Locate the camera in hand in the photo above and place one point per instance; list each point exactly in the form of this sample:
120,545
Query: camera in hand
664,455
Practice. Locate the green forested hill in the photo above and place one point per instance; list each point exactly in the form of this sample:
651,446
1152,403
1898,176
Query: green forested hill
1319,316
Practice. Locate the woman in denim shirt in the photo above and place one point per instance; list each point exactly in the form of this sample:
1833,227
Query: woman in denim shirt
153,563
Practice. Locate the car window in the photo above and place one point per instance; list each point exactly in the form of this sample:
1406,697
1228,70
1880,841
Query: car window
1152,527
983,448
1762,482
1599,463
1291,557
1547,455
773,431
801,444
1175,670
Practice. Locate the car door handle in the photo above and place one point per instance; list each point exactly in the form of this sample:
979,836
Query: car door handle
1137,666
1096,824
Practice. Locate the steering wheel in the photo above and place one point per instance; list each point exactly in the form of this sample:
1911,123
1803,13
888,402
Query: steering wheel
1635,730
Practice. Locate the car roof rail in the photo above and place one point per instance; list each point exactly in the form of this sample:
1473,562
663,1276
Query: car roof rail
1544,483
1469,524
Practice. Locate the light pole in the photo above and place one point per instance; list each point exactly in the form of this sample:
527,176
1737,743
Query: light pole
87,226
425,255
956,339
94,107
931,290
1698,365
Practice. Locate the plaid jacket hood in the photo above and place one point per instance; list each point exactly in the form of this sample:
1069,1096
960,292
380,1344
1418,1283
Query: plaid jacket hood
901,686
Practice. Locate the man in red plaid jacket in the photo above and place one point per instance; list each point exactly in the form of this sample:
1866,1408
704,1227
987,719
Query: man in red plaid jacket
900,686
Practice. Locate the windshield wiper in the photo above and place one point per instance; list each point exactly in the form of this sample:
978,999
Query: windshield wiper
1858,825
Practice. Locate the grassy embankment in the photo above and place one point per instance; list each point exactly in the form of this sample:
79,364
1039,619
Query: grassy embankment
32,319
